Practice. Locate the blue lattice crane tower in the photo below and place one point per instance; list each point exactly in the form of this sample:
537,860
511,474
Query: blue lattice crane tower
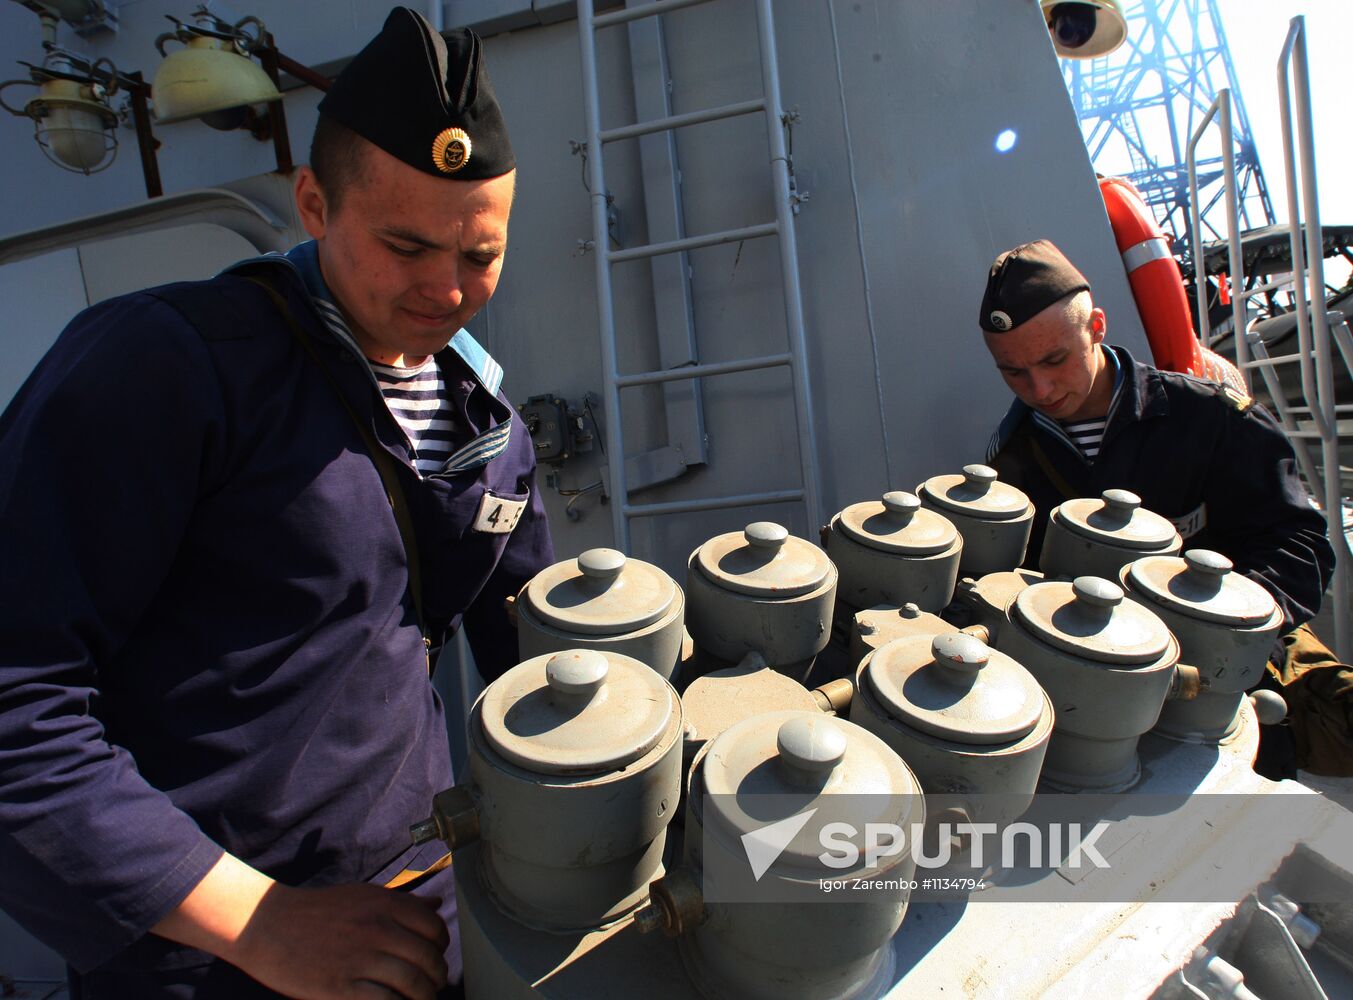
1139,105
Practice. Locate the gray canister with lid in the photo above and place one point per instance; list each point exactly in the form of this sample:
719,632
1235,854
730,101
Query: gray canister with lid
583,746
769,769
762,591
603,600
893,551
1098,537
968,719
1226,625
994,518
1107,665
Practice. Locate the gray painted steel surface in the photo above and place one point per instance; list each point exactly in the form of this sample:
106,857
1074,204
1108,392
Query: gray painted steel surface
899,106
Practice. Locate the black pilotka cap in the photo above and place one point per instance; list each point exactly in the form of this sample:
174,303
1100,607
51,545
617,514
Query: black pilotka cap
425,98
1025,281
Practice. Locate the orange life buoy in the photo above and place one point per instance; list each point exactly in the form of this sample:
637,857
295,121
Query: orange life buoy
1154,276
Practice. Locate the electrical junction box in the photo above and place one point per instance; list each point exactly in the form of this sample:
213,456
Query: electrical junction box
547,421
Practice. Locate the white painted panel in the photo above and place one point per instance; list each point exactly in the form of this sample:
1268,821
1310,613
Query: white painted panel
40,296
183,253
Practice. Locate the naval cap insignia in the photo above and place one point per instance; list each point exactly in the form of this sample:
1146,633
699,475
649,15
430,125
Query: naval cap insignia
1001,320
451,150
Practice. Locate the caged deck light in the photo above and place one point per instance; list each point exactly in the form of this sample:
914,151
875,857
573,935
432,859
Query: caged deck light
1085,29
73,119
214,78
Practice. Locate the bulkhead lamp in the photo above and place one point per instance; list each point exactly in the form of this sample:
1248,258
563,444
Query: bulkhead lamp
1085,29
213,76
72,120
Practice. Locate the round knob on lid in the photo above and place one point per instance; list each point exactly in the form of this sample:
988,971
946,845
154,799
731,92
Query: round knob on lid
959,656
1269,707
979,477
900,506
1206,568
580,672
1097,592
910,610
1120,504
765,535
810,745
601,565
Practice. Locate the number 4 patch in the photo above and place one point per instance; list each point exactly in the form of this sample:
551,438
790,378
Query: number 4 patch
498,515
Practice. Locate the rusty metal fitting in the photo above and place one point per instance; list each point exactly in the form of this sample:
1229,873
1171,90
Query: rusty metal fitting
674,906
454,819
978,632
834,697
1185,684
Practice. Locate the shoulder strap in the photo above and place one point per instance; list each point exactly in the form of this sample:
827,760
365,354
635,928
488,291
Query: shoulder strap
385,465
1058,481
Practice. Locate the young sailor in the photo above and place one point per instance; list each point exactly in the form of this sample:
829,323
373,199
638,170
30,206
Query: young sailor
240,517
1087,417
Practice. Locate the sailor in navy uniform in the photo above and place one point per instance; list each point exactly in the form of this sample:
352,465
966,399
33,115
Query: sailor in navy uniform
233,543
1088,417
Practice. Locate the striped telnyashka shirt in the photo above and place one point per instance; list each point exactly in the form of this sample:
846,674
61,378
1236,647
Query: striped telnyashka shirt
1086,435
417,399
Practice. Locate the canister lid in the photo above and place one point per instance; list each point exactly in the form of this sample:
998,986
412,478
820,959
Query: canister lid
898,523
977,493
764,561
1089,619
955,687
1117,518
772,766
1202,585
579,711
601,593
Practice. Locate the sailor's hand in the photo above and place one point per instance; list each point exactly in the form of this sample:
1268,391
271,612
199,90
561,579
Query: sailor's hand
345,942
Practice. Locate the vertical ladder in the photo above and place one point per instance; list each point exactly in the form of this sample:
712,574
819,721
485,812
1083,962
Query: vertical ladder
1314,335
795,358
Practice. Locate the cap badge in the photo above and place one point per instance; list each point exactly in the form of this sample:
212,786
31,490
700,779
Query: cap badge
1001,320
451,150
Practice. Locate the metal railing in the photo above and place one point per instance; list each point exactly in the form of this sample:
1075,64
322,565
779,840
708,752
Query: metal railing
1313,355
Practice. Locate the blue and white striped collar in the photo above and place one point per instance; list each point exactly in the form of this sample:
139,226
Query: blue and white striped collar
305,258
1019,410
1054,428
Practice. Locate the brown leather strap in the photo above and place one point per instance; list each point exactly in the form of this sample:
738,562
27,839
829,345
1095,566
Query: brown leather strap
385,465
1058,481
411,879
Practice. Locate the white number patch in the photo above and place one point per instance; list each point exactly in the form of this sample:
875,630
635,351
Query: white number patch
497,515
1191,523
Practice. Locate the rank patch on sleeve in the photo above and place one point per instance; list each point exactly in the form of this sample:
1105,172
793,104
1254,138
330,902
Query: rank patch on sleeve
498,515
1236,398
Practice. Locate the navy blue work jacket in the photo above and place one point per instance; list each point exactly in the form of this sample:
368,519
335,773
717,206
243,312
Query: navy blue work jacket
207,640
1217,465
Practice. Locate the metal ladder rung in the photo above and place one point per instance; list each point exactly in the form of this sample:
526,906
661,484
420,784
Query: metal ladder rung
700,371
694,242
712,503
1344,408
635,13
681,121
1271,286
796,358
1271,362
